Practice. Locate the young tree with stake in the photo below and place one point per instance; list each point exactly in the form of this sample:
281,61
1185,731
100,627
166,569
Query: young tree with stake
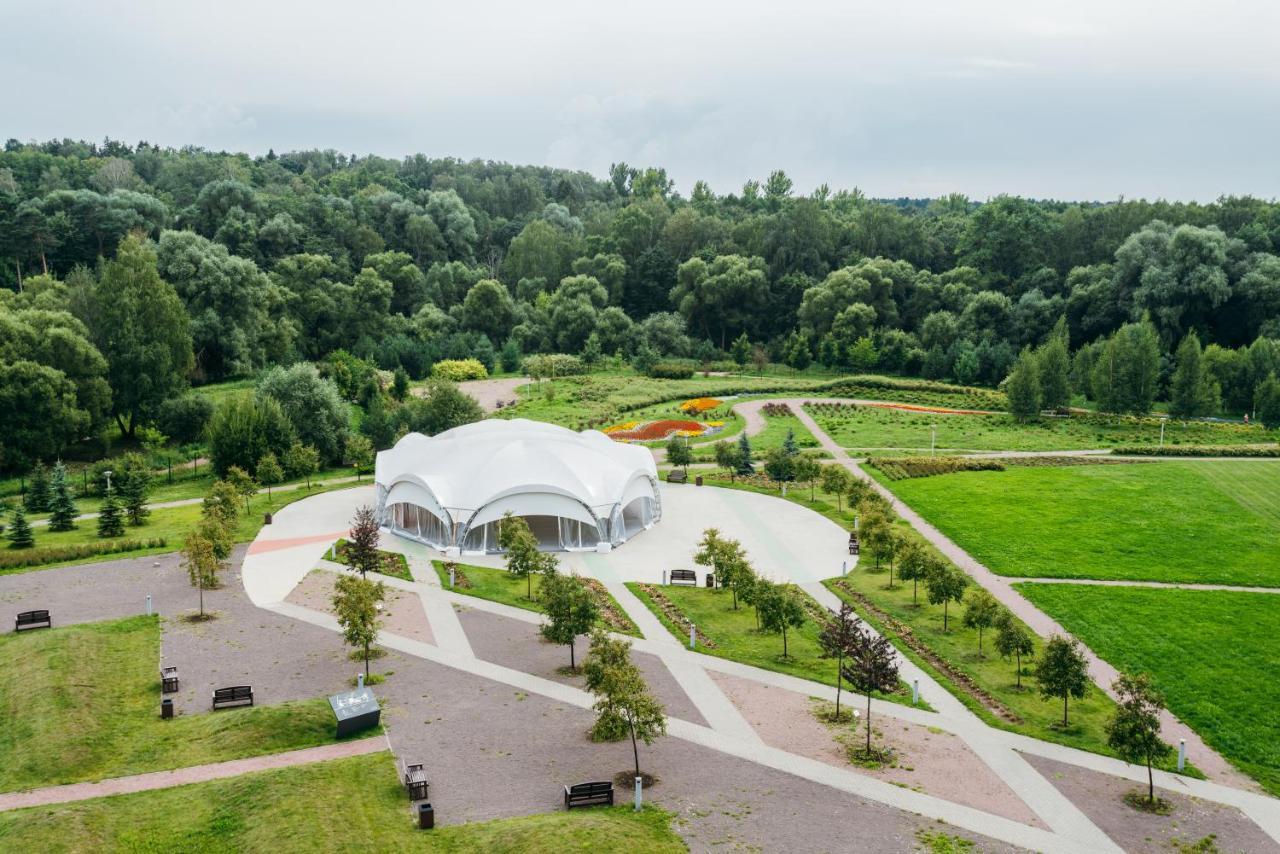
523,557
835,480
914,565
269,471
981,613
780,609
944,585
1013,641
1062,672
361,553
1134,729
202,563
679,453
871,664
623,702
728,458
807,470
355,604
835,638
570,608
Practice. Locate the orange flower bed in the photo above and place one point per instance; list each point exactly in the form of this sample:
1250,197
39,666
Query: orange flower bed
699,404
652,430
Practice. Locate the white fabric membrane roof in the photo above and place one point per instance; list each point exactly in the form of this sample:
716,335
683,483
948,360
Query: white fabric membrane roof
475,465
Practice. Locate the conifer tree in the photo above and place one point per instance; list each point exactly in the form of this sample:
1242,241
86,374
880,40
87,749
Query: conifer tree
38,495
20,535
61,506
109,522
745,468
135,482
1023,388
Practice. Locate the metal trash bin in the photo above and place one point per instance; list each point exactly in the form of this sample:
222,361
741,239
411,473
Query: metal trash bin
426,817
711,579
166,708
266,518
698,480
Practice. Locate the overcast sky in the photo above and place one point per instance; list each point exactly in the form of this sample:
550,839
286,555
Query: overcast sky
1078,100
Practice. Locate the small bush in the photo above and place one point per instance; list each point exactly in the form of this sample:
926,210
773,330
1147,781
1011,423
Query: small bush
670,371
553,365
39,557
459,370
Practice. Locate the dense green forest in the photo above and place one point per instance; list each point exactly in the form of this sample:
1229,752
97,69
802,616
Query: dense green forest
129,272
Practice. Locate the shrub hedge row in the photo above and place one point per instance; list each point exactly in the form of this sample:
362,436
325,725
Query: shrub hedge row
901,468
57,554
1200,451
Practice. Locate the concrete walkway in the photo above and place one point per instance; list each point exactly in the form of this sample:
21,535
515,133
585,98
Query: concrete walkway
192,774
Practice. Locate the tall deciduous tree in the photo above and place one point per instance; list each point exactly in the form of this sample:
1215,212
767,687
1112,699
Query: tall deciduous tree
1062,671
355,604
1023,388
144,332
1193,391
1134,729
623,701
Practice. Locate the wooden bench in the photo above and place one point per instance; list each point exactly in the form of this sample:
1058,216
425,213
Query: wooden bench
168,680
677,476
415,781
684,576
237,695
32,620
588,794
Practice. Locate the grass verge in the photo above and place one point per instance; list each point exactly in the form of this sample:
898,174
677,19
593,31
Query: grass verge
498,585
293,810
82,703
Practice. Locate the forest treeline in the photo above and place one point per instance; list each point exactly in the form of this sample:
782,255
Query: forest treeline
275,259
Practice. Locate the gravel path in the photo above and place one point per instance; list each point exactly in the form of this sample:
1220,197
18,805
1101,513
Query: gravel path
1100,797
927,760
402,612
488,393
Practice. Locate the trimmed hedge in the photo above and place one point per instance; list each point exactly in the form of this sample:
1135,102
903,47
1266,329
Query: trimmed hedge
1200,451
459,370
902,468
553,365
670,371
39,557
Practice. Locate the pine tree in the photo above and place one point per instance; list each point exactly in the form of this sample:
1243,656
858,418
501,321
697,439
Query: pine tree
745,468
20,535
740,350
39,496
109,522
135,482
789,444
61,506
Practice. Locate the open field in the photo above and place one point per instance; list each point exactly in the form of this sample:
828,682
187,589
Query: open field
1191,521
736,637
498,585
878,427
1213,653
340,805
82,702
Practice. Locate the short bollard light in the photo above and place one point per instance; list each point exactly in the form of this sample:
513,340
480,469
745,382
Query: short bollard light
453,570
915,692
664,578
692,629
639,787
844,567
359,681
1182,753
148,604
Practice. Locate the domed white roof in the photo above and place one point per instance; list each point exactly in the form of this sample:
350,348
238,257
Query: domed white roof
470,467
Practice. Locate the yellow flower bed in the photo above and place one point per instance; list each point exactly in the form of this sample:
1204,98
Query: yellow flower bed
688,434
699,404
624,426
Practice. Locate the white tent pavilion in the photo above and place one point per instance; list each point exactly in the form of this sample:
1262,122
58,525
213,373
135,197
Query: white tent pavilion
578,491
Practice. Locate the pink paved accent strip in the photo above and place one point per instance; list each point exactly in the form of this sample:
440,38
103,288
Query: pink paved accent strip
261,545
193,774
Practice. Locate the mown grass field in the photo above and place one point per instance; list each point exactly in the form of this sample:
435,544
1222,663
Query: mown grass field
1208,521
877,427
737,638
82,702
498,585
1214,654
354,804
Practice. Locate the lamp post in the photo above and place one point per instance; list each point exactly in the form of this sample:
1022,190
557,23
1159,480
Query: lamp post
1162,420
108,474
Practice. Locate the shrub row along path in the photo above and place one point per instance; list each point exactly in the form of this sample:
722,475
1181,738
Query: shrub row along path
1103,673
498,644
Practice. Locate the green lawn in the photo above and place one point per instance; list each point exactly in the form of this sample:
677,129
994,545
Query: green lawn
170,523
82,702
737,638
877,427
393,564
1192,521
353,804
1214,653
498,585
